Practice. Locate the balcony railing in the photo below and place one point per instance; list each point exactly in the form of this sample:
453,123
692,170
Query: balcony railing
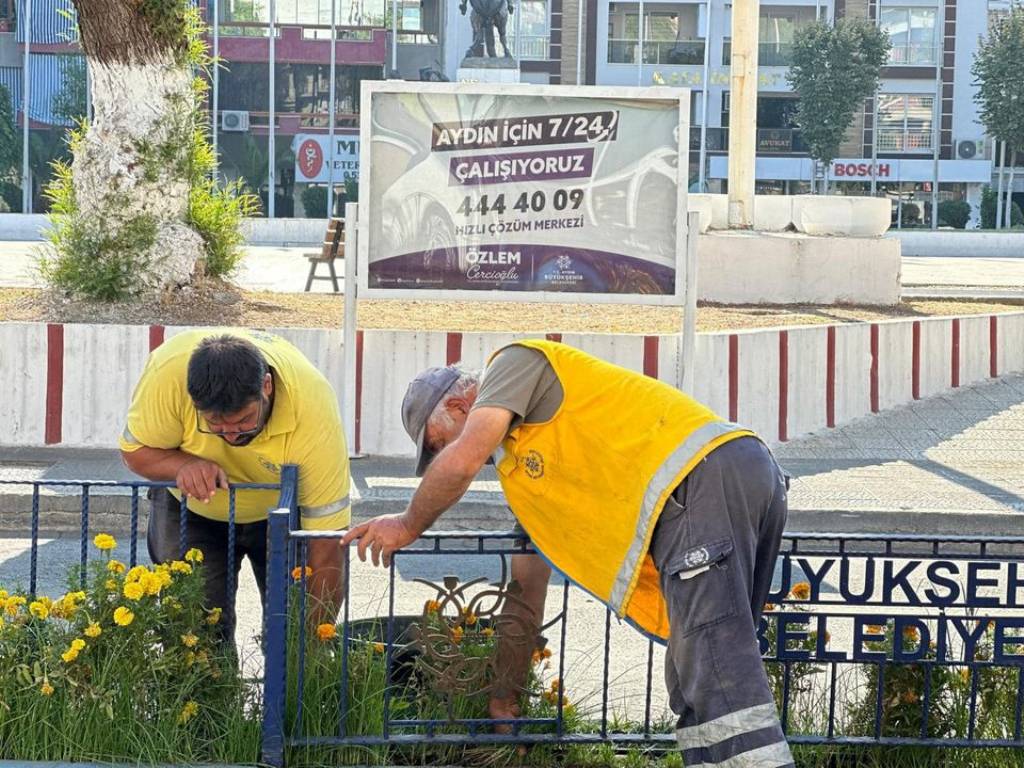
668,53
530,46
914,54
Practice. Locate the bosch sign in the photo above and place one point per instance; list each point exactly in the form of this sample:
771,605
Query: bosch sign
860,170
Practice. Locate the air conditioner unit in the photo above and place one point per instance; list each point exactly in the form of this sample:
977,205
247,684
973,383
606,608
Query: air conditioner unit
234,120
969,149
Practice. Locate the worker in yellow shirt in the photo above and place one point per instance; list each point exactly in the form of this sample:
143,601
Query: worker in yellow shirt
637,493
216,406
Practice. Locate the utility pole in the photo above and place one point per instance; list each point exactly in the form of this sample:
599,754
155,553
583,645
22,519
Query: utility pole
743,113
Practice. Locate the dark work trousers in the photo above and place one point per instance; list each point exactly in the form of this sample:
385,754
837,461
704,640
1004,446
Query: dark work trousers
715,547
211,538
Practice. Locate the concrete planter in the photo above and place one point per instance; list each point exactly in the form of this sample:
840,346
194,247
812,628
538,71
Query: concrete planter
841,216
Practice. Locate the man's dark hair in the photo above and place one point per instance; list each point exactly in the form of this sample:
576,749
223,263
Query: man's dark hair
225,373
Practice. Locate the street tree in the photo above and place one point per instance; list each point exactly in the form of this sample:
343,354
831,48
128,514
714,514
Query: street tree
834,69
998,71
10,152
136,211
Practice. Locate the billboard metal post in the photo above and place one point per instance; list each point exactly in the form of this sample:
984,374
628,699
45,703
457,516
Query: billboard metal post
688,332
348,381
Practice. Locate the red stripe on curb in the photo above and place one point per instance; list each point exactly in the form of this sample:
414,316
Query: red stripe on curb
783,386
651,356
874,368
156,336
454,352
54,383
955,356
993,346
359,390
734,376
830,376
554,337
915,364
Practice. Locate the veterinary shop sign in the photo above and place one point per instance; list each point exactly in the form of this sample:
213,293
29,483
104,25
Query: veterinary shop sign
314,152
523,189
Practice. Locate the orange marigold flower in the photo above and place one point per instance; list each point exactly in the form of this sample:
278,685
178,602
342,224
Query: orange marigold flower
326,632
378,647
298,572
911,633
431,606
457,635
801,591
909,697
470,619
874,629
768,607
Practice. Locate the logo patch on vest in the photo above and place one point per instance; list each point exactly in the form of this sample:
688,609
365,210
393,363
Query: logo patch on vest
696,557
533,463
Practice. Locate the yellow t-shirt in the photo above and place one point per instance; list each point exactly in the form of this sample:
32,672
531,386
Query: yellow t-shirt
304,429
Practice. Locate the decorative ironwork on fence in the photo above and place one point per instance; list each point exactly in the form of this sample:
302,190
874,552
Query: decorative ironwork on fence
868,640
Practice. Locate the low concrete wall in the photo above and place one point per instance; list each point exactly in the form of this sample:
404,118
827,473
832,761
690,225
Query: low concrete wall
790,268
960,243
18,226
782,382
843,216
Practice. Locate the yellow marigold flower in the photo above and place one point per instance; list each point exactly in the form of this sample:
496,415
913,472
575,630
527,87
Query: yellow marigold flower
78,644
134,590
470,619
194,556
69,655
179,566
153,583
136,573
487,632
801,591
190,659
110,585
457,635
189,640
965,675
213,616
116,566
378,647
104,541
123,617
3,594
297,573
13,605
190,710
326,632
93,630
39,610
46,689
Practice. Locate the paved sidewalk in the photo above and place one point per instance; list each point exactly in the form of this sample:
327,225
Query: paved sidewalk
283,270
953,463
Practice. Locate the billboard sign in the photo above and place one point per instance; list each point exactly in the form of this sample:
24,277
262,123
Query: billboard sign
520,190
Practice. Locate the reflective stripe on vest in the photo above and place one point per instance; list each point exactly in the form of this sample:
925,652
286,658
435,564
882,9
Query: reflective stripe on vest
650,507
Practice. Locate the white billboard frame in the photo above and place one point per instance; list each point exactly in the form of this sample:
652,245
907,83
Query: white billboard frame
679,96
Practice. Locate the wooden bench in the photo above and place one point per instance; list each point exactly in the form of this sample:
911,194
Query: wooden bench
333,248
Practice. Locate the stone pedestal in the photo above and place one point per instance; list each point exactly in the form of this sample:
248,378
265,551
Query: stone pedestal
737,267
483,69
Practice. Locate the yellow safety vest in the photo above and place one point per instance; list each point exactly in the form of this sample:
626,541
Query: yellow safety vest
588,484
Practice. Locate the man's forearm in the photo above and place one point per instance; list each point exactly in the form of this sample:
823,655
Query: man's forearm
156,463
326,587
444,483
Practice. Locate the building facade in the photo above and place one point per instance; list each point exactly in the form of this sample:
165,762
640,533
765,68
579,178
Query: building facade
272,97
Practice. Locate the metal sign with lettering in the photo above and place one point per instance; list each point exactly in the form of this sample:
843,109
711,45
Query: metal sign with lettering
518,190
314,152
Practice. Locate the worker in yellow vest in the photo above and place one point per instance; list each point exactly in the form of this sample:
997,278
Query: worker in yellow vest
637,493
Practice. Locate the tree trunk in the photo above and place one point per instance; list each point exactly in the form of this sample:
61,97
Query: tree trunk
999,186
1008,211
132,165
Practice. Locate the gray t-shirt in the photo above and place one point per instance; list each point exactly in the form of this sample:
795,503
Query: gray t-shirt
522,380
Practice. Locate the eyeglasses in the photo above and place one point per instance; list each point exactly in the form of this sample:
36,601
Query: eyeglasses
233,432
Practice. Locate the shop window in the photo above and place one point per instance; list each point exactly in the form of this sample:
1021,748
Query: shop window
530,33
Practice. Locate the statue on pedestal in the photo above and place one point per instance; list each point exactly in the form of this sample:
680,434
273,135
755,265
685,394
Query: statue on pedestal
488,16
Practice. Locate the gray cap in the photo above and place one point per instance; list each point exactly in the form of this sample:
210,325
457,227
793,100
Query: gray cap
422,396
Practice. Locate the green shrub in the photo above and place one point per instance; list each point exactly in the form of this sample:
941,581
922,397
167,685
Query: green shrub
988,210
314,201
954,213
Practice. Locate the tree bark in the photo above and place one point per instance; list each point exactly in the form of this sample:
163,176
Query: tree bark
1008,211
132,163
